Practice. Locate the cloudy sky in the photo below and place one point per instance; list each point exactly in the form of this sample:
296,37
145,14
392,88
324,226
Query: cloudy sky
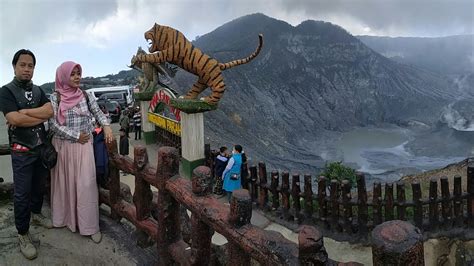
102,35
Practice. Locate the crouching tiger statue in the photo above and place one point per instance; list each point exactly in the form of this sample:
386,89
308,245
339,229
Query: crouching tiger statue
171,46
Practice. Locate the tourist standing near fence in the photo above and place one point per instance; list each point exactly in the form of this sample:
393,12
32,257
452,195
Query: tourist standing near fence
124,122
137,123
232,172
74,193
124,145
26,107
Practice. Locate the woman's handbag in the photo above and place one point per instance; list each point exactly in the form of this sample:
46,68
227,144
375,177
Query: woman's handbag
49,155
234,176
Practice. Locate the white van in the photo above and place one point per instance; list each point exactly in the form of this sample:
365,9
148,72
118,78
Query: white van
96,92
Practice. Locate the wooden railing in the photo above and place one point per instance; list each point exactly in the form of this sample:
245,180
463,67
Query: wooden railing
246,241
344,210
394,243
348,212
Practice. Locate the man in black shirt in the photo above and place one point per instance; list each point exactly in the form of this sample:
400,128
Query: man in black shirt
26,108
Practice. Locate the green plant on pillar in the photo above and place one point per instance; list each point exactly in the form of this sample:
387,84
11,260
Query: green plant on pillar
144,96
192,106
340,172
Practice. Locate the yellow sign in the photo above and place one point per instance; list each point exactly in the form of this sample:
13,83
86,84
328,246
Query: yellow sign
165,123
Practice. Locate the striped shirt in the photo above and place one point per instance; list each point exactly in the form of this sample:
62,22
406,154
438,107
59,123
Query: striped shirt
78,119
137,119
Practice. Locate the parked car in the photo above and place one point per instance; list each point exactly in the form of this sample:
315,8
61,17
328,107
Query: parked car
119,97
114,109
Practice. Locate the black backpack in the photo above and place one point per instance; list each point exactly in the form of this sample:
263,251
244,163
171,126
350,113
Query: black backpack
49,155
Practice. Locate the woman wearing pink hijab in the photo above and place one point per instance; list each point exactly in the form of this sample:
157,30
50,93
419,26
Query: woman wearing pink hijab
74,192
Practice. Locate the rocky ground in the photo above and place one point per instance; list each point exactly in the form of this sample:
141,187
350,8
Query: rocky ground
59,246
450,171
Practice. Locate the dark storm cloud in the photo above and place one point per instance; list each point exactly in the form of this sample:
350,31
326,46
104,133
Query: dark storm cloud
415,18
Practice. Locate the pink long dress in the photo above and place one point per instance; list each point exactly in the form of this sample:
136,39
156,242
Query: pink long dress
74,192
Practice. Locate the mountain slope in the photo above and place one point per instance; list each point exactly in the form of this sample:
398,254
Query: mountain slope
307,81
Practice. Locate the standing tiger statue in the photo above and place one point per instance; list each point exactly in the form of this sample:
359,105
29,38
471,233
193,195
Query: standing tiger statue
172,47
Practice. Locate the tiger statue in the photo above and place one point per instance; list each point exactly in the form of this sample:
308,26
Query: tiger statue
171,46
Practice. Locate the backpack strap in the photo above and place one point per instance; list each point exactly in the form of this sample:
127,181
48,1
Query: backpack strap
87,101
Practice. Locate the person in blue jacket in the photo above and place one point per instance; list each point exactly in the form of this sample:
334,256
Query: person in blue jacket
232,172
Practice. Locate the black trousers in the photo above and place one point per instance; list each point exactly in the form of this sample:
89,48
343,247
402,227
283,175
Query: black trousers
138,133
29,177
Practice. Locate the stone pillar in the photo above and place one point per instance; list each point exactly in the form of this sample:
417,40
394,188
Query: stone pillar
397,243
201,232
192,142
311,247
240,215
148,128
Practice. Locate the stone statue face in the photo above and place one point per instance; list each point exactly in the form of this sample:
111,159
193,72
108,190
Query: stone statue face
142,161
151,37
141,157
170,158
